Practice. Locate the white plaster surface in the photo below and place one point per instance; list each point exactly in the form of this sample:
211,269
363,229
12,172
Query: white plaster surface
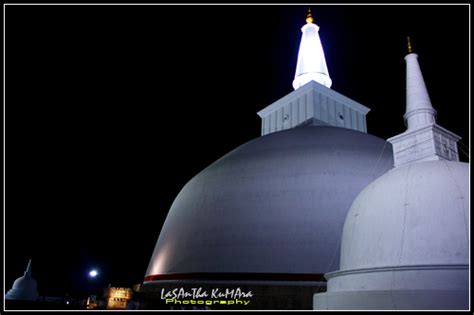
313,104
275,204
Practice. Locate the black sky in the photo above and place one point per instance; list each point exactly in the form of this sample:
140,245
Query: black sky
110,110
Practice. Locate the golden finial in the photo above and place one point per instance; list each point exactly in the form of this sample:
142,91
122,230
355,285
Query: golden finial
309,17
410,50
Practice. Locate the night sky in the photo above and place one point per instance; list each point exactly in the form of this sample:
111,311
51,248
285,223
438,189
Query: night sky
110,110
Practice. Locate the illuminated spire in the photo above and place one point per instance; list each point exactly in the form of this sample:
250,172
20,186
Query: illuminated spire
311,64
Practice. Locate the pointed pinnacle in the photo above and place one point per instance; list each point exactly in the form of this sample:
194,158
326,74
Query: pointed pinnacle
309,17
410,49
28,268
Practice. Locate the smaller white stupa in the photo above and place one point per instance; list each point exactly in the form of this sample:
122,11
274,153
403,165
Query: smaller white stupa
311,64
24,288
405,241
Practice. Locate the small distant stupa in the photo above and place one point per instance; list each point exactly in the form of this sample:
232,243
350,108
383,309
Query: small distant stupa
24,288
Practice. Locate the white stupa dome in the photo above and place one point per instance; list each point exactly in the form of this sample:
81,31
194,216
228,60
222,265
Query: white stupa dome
422,220
405,242
276,204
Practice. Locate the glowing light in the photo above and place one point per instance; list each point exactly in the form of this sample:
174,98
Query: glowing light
93,273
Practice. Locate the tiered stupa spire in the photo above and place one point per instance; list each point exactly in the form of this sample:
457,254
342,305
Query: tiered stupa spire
313,102
419,111
423,140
